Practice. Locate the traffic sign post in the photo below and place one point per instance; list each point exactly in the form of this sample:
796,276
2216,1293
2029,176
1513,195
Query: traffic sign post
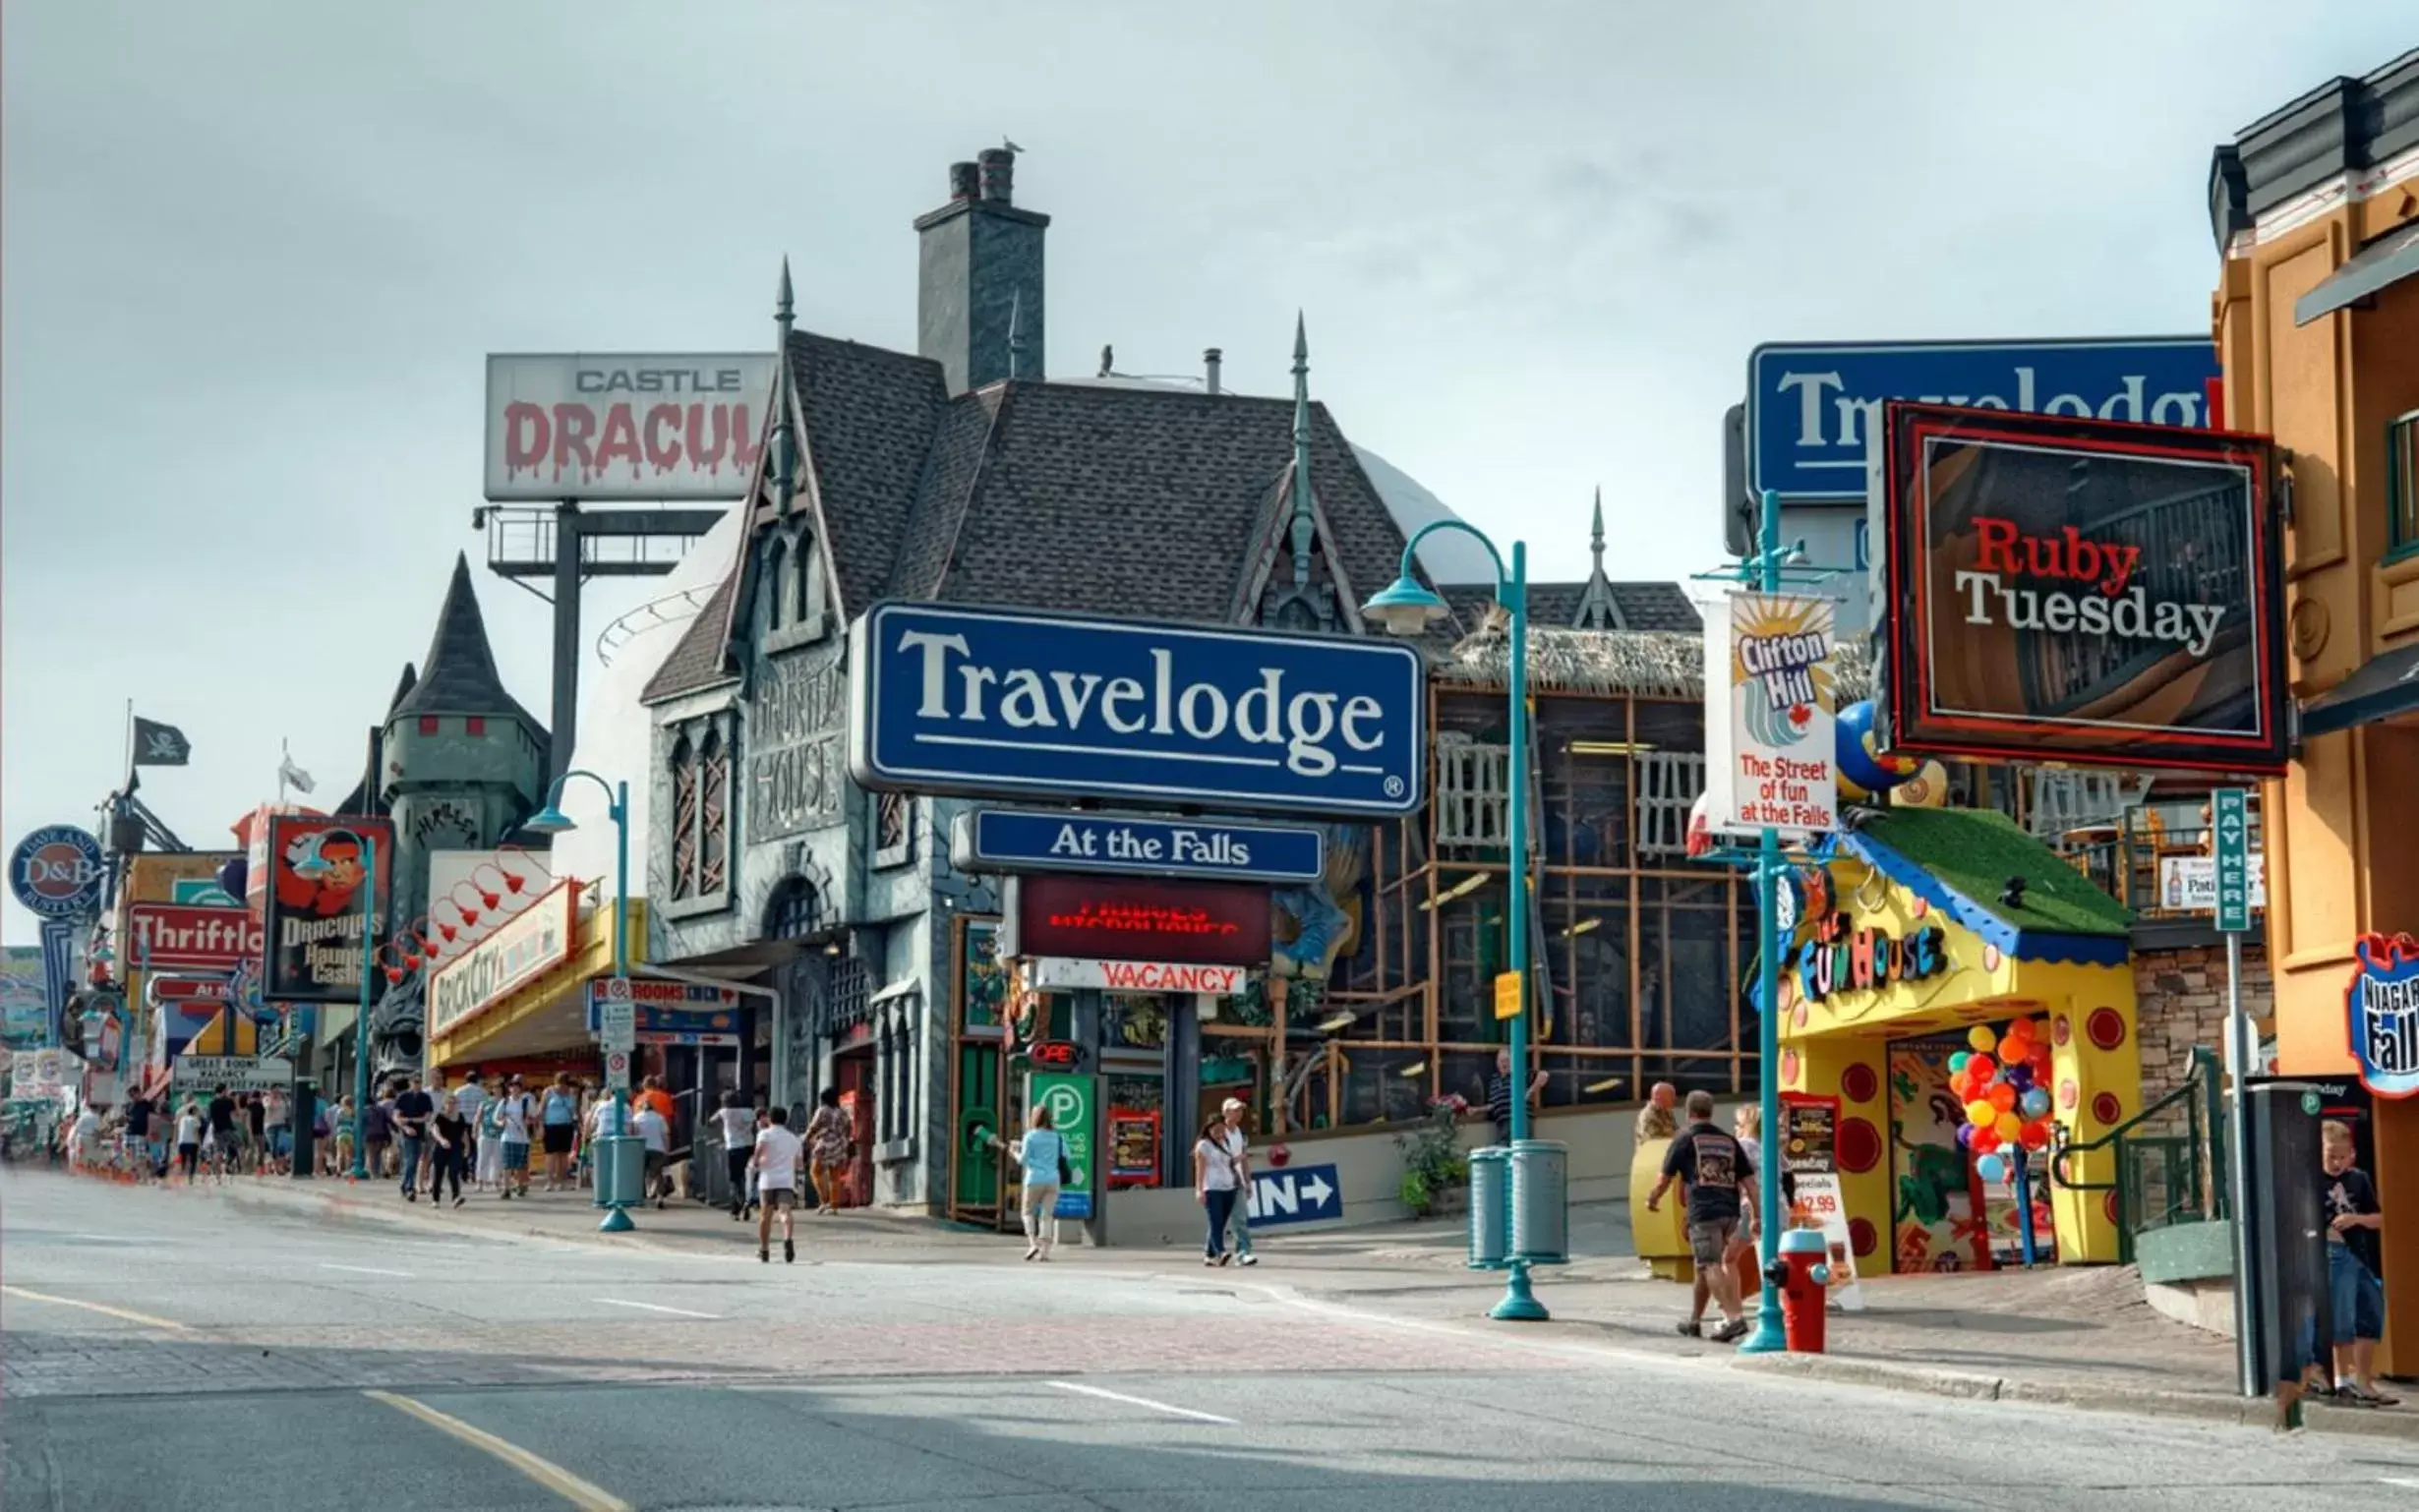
618,1070
2230,819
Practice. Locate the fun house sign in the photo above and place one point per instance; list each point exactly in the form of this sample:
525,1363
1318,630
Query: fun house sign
992,702
2077,589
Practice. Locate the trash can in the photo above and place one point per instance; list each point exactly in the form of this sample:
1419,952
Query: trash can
1540,1202
1490,1207
621,1171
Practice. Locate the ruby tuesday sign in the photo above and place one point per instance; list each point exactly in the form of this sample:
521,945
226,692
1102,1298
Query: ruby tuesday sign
2078,590
994,702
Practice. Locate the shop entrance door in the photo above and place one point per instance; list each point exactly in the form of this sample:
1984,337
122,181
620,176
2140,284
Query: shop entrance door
1935,1198
852,1074
974,1166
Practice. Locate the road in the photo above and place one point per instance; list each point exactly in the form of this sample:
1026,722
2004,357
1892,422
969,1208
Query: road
169,1348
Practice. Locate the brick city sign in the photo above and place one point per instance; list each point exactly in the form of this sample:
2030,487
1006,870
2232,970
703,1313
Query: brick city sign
1198,923
188,937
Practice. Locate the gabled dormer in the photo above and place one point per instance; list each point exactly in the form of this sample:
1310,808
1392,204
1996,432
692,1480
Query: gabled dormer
1291,578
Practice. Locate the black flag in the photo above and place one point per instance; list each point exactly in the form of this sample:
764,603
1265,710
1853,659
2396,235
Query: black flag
160,745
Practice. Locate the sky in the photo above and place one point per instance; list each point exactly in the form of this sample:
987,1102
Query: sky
253,255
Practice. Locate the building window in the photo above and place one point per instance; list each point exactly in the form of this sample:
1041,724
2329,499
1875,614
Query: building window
2402,486
683,820
428,723
713,812
893,829
476,725
1669,783
774,589
796,911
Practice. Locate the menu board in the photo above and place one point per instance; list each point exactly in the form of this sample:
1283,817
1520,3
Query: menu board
1809,1133
1133,1147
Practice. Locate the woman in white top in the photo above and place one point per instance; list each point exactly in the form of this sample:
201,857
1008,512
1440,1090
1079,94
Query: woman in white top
1213,1186
738,1124
486,1116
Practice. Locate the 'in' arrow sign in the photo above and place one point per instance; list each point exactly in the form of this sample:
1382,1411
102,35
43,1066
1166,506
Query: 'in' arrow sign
1300,1195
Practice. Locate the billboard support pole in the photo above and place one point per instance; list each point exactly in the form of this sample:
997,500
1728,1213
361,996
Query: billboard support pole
361,1011
564,733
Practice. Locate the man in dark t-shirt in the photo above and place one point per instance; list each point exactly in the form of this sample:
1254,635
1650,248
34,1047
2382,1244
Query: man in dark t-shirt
223,1139
1715,1170
413,1109
2347,1199
140,1149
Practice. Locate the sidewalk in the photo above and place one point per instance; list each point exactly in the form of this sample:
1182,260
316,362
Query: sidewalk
2077,1337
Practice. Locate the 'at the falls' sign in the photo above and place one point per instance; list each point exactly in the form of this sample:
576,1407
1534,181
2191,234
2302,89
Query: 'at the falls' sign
1770,761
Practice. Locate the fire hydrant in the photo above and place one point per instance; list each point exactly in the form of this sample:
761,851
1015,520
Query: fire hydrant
1803,1277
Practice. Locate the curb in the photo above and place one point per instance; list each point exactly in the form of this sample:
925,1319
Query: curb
1974,1387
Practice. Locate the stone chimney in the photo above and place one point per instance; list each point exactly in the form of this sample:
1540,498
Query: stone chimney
1212,361
980,285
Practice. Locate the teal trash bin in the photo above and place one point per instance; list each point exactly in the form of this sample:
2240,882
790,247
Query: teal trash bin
621,1171
1540,1202
1490,1207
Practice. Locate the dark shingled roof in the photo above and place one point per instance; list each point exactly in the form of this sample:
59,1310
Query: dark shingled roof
1643,606
869,418
695,659
458,674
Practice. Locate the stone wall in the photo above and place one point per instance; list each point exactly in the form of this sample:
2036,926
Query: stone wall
2181,998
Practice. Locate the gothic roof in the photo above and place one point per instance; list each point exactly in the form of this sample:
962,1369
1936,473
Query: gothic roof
458,674
1042,494
1641,606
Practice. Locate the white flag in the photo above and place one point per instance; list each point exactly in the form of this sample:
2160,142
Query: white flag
293,776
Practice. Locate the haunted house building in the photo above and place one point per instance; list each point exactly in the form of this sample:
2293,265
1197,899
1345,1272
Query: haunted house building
961,473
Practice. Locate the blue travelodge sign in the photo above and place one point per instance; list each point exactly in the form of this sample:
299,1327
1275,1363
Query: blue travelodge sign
996,702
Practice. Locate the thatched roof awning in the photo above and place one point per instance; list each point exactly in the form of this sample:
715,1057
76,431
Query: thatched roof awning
1628,663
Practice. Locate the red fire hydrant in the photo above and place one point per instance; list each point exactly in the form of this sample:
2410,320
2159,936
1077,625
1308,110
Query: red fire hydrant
1804,1277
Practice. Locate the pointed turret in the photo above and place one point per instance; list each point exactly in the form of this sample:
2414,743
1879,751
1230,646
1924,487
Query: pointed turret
1301,454
1599,609
458,674
782,466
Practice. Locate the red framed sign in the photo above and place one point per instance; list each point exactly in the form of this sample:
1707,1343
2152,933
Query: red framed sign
1133,918
2069,589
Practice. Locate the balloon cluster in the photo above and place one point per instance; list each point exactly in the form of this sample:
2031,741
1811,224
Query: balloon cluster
2003,1084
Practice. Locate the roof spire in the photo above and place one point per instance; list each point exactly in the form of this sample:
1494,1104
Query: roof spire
1016,333
782,465
1599,607
1595,532
1301,453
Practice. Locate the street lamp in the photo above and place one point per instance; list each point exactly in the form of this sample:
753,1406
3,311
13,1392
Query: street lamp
551,820
1405,608
312,866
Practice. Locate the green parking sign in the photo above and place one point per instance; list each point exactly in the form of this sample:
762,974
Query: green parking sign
1074,1101
2230,816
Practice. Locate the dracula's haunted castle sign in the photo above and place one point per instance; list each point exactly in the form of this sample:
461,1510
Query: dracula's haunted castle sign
1004,702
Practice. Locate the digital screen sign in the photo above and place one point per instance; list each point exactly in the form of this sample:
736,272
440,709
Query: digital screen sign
1188,923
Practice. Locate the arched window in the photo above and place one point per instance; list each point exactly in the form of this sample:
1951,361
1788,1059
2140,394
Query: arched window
794,911
684,819
773,588
809,587
713,812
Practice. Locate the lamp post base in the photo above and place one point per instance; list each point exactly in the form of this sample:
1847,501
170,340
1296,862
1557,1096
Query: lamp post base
1768,1336
615,1221
1519,1304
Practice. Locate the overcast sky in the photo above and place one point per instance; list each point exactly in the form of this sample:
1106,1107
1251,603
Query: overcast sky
252,256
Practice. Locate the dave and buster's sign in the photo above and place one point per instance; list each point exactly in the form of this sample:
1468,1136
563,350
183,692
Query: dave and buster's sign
2382,1005
57,872
2074,590
1127,918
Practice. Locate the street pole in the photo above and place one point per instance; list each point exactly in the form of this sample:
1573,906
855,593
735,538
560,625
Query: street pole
2241,1054
1768,1337
551,820
1519,1304
361,1019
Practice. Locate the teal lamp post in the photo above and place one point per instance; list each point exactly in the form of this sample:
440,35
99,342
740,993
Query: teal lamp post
312,866
1405,608
551,820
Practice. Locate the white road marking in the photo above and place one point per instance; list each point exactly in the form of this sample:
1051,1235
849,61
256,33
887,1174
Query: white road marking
145,1319
586,1495
366,1270
652,1307
1157,1406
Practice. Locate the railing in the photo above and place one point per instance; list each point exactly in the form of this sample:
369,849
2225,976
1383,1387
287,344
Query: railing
2156,870
2161,1177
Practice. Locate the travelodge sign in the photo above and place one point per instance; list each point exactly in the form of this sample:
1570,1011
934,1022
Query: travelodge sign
996,702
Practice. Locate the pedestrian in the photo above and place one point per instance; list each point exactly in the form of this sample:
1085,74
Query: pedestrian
1042,1157
413,1108
255,1133
737,1125
2355,1295
450,1145
655,1136
142,1141
343,1128
830,1147
488,1176
279,1114
1748,1128
221,1141
774,1156
559,1126
84,1148
1656,1120
1714,1168
1500,1095
376,1127
1238,1142
188,1140
1213,1186
513,1117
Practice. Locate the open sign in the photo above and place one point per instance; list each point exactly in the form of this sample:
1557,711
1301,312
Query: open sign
1058,1054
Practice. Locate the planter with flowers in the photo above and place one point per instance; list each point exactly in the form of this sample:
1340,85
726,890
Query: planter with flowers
1436,1179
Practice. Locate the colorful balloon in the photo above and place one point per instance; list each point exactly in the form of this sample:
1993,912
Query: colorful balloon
2000,1097
2033,1135
1991,1168
2009,1126
1964,1136
2036,1104
1982,1067
1959,1060
1980,1113
1984,1141
1981,1038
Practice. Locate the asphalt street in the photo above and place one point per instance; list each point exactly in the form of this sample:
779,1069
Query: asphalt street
160,1349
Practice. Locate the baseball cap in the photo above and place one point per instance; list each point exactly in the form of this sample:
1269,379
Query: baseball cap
1231,1105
